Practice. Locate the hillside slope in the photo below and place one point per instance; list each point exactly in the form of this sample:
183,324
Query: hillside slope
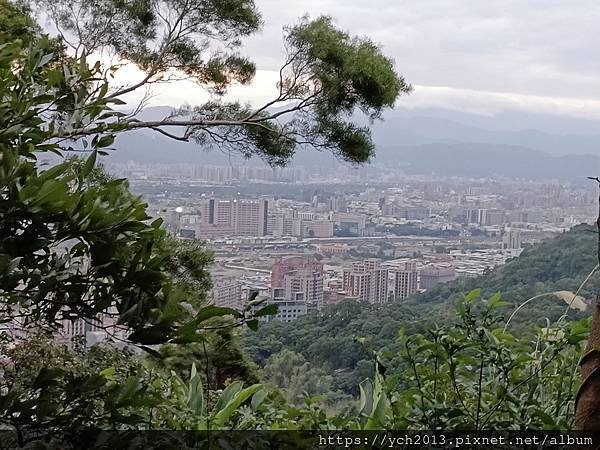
330,341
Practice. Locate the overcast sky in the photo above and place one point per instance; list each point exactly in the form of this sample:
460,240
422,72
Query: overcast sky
481,56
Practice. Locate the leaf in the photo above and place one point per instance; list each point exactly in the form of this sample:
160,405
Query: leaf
47,377
474,294
366,398
45,59
105,141
54,172
377,420
115,101
108,372
195,393
496,302
51,192
149,336
103,90
151,351
91,383
89,164
252,324
211,311
258,398
227,395
221,417
128,390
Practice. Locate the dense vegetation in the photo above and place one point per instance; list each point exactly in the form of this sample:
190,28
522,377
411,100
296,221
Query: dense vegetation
468,375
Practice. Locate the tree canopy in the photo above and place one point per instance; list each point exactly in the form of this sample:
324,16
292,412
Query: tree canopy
328,81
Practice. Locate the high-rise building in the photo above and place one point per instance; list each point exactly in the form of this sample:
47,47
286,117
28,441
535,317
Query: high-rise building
405,279
296,286
366,281
414,213
337,203
228,293
495,217
511,240
477,215
285,226
239,217
436,273
249,217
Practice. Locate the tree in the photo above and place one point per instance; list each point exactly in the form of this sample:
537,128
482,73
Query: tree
476,375
327,77
15,22
588,397
219,359
292,373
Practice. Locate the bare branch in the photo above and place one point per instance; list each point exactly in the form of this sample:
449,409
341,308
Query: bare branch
171,136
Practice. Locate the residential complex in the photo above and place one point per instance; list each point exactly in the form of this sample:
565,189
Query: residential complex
296,286
366,281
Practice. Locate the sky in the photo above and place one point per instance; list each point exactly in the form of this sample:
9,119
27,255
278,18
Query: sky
476,56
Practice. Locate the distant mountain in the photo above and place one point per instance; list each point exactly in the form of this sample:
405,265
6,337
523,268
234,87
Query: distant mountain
469,159
423,142
412,129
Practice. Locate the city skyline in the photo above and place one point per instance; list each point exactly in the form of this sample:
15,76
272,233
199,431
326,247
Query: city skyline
375,244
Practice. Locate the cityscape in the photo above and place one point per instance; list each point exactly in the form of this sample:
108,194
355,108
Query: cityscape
304,243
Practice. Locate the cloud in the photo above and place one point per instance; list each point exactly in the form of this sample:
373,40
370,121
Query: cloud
471,55
531,47
491,103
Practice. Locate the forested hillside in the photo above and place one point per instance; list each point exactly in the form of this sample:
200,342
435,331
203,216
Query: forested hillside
338,342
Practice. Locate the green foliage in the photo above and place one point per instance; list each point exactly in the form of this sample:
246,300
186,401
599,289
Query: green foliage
348,74
16,23
75,242
219,358
25,360
329,342
375,406
477,376
557,264
136,32
299,381
47,388
470,375
327,82
193,409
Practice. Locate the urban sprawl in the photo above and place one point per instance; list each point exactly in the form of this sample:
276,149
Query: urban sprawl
307,240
